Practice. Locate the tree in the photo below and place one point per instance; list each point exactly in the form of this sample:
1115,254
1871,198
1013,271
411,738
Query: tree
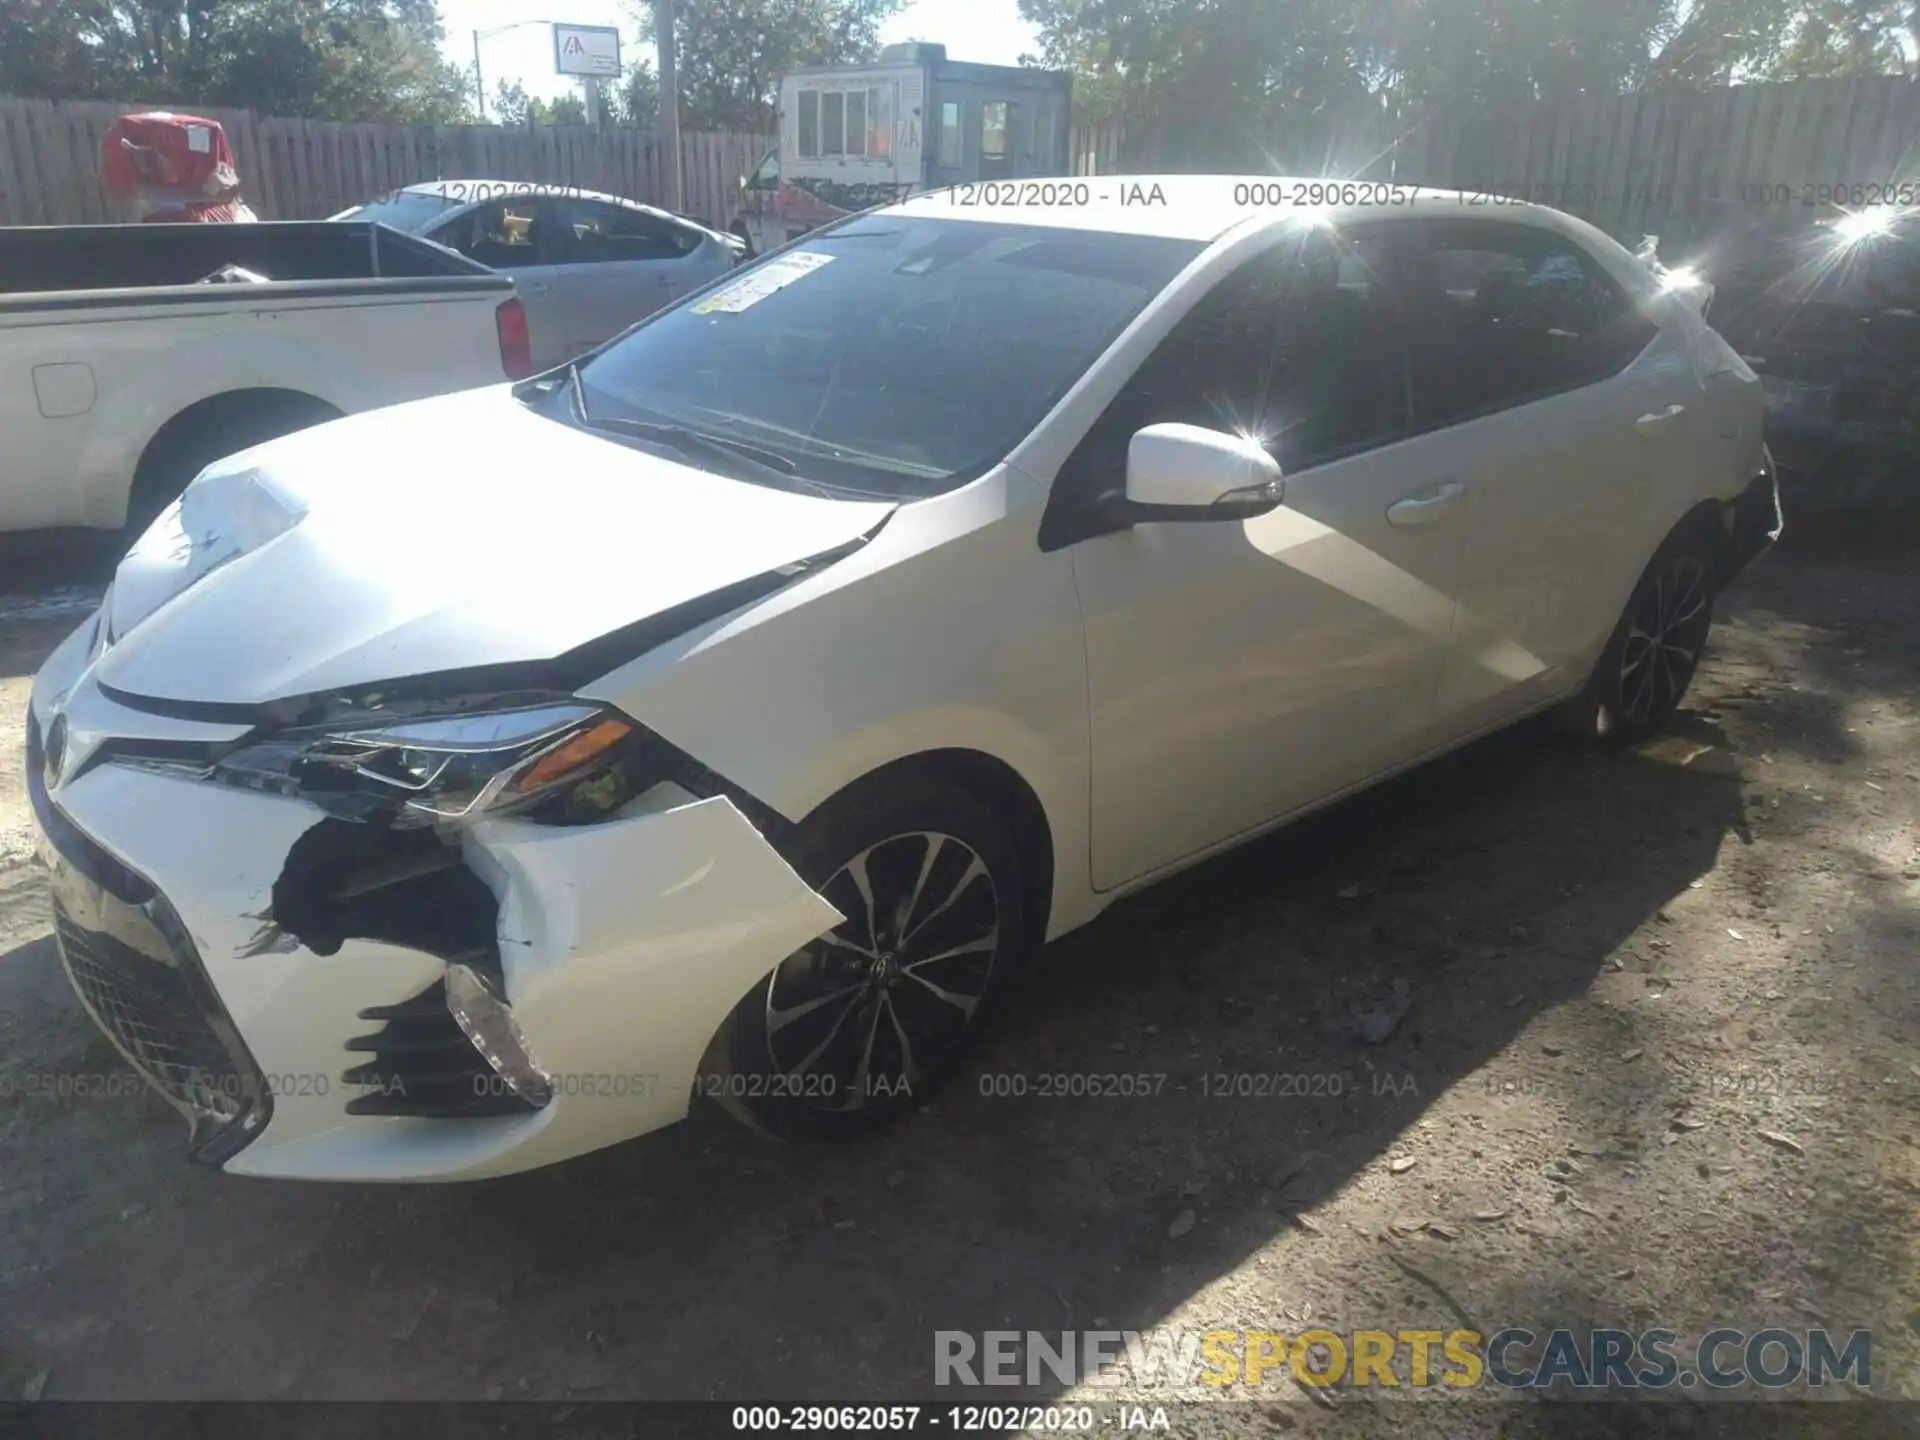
1204,74
1845,37
333,59
510,105
637,101
1208,78
732,53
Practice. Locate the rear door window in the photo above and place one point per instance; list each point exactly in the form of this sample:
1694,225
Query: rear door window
501,234
592,232
1505,314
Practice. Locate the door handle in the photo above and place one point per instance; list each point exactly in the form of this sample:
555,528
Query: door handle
533,287
1425,510
1653,424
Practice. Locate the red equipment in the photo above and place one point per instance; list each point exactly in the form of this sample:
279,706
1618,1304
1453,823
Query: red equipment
162,167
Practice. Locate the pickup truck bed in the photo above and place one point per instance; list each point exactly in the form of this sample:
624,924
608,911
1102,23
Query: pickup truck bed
134,257
124,371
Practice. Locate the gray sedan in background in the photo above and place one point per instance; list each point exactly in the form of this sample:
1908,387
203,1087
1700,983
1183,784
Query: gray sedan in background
586,265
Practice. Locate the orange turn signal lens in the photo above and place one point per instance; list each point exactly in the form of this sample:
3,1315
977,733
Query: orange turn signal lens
582,750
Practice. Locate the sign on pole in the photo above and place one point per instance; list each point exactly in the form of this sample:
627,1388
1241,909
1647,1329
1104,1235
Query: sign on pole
586,50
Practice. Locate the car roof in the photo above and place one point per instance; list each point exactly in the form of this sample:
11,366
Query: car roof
505,189
1206,207
474,192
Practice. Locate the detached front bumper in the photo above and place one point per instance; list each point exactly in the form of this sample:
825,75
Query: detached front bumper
623,946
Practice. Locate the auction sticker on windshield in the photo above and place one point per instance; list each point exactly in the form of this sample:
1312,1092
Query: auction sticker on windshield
776,274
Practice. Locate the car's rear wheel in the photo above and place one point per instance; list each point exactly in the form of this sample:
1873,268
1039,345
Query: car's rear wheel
863,1023
1650,660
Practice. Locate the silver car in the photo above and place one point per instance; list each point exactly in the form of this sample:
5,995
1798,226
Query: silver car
586,265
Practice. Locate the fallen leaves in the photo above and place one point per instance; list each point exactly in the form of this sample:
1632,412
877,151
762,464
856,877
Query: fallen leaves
1782,1141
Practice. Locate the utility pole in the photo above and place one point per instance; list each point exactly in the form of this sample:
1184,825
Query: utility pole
479,86
669,101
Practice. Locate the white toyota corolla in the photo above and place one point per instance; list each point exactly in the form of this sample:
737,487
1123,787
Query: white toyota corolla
459,787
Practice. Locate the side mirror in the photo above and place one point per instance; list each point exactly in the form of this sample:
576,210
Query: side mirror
1188,472
743,182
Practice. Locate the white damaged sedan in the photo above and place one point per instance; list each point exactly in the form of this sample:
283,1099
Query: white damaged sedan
463,786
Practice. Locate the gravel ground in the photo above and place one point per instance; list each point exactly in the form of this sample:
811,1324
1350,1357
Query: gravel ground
1657,1067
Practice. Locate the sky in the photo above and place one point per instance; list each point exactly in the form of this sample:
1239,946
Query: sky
988,31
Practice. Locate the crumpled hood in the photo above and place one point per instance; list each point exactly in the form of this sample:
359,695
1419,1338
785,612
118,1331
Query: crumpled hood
441,535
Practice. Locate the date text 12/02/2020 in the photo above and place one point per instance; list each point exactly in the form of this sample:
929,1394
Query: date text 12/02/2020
1051,194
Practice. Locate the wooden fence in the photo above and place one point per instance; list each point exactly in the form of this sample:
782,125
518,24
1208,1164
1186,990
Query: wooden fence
1676,163
1682,164
309,169
1095,148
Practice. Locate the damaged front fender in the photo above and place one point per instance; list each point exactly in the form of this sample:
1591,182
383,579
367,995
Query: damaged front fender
626,945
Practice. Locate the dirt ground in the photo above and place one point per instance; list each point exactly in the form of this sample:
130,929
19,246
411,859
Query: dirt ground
1659,1068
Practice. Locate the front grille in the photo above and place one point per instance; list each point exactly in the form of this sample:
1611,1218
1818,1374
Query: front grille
421,1063
150,1012
136,972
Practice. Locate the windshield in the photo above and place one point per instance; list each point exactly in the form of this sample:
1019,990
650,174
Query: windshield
403,211
895,356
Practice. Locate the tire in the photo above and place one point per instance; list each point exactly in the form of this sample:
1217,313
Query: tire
197,437
846,1034
1650,659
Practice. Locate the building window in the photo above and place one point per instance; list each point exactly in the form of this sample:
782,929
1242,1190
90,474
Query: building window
856,122
810,123
1043,141
950,133
880,122
833,123
996,130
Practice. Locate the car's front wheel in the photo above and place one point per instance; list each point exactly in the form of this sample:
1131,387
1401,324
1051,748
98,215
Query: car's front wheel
1650,659
863,1023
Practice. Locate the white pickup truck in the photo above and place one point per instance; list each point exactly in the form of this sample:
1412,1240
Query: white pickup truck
131,356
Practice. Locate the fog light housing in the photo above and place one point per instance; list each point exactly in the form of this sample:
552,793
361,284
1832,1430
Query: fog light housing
488,1022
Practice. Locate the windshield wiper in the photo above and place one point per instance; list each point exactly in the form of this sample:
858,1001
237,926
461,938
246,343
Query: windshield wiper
743,459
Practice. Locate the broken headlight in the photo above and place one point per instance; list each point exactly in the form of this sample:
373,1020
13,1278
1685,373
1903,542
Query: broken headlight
444,768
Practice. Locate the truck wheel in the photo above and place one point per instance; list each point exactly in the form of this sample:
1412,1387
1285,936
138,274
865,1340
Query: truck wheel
862,1024
210,431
